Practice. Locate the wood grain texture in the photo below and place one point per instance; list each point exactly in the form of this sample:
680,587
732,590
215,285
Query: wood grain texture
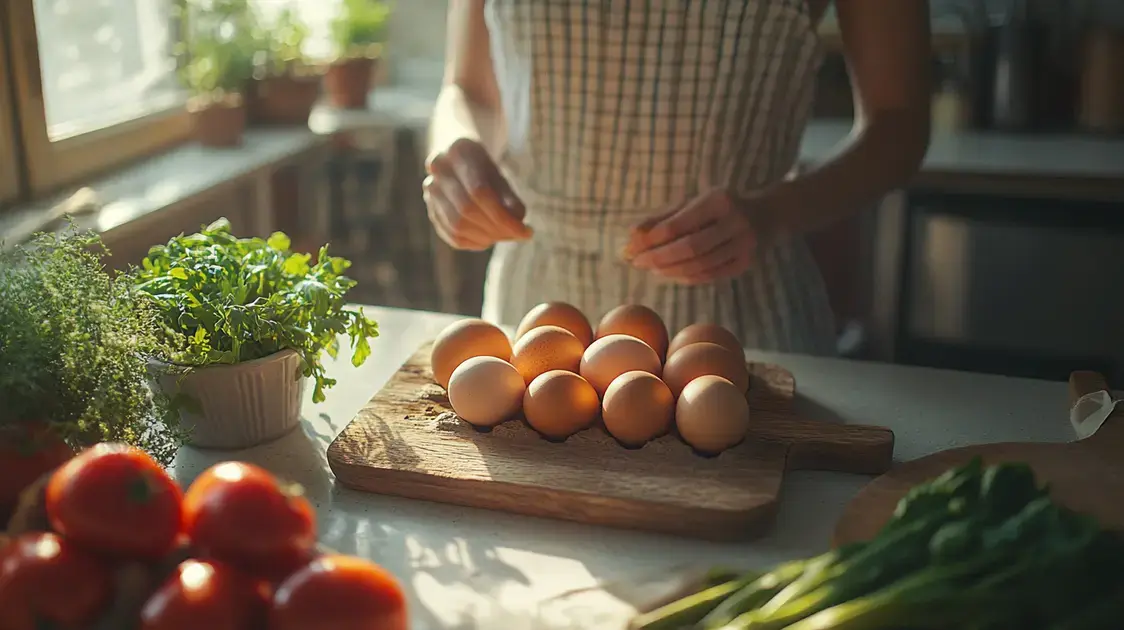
1087,475
408,442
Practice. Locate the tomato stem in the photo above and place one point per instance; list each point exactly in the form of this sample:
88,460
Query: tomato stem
140,490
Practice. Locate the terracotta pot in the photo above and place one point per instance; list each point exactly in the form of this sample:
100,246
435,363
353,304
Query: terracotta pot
27,452
219,123
283,99
348,82
240,405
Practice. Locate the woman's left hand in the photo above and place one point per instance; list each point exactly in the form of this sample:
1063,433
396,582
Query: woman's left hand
710,238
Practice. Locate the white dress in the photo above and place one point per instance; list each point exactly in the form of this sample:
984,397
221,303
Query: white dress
617,110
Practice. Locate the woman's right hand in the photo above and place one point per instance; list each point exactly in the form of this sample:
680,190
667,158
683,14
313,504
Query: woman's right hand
469,202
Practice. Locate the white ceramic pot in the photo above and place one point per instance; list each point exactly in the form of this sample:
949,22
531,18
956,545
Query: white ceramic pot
240,405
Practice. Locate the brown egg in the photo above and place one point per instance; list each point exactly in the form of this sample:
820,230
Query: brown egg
462,340
702,358
558,404
712,414
640,322
544,349
608,357
558,314
638,407
485,391
713,333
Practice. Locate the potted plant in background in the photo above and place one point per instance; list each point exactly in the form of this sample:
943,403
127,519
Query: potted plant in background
285,85
359,33
246,321
73,370
217,52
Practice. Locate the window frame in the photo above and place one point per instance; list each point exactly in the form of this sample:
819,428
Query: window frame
11,182
51,166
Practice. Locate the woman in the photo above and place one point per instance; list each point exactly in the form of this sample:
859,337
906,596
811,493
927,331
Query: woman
617,151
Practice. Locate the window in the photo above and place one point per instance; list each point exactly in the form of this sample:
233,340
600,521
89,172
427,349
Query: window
89,85
95,85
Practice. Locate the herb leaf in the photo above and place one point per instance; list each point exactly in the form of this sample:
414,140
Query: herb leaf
74,348
228,300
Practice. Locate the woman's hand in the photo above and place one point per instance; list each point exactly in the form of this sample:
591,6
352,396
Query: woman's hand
469,202
710,238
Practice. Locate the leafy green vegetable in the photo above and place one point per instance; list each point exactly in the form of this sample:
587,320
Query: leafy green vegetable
73,347
692,609
226,300
759,591
977,548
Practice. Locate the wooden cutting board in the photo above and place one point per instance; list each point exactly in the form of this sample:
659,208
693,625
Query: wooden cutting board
408,442
1086,475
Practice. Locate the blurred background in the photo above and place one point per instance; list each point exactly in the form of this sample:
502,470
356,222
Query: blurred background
150,117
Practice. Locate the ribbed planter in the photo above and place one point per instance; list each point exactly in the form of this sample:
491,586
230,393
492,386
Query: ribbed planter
242,405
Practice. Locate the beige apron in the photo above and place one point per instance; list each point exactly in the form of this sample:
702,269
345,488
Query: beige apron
619,109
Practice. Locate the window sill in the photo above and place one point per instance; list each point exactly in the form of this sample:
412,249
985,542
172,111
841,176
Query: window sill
178,176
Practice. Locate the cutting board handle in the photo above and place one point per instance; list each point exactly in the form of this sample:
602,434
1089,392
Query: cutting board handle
1109,439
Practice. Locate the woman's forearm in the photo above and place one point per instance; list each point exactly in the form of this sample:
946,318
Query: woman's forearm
880,156
456,116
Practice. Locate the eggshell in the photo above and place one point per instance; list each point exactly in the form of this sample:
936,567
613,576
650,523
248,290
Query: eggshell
638,321
560,403
462,340
485,391
702,358
638,407
544,349
558,314
608,357
713,333
712,414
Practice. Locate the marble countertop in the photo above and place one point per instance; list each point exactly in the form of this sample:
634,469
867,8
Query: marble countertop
470,568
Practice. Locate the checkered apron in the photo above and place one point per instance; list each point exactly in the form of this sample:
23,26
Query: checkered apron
617,110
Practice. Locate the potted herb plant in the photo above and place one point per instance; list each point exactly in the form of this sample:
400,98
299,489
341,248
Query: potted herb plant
217,54
358,33
285,86
72,366
246,321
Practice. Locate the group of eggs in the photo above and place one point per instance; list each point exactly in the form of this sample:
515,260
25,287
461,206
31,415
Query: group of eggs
563,376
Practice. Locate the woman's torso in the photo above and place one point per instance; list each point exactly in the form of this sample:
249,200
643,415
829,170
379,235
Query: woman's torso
620,109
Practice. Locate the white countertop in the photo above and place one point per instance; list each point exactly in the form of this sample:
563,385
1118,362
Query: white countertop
475,569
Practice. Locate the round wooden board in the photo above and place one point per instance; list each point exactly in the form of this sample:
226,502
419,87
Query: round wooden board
1087,476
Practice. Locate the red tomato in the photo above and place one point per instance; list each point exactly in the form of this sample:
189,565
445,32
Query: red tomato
241,514
281,567
205,594
115,499
339,593
26,453
43,578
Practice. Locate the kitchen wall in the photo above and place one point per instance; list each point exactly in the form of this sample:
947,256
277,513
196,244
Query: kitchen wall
418,32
